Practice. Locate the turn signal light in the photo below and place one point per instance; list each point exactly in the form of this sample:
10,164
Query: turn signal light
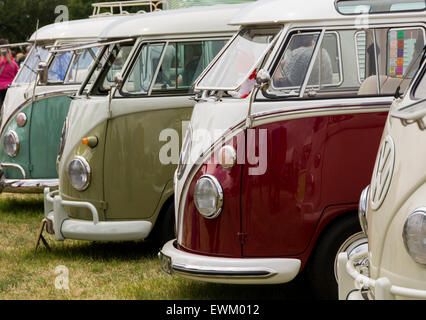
91,142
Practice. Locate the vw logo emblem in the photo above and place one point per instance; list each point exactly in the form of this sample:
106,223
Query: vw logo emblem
383,172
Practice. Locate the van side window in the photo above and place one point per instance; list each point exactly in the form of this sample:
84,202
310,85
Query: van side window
123,53
402,50
140,78
59,67
183,62
80,65
348,63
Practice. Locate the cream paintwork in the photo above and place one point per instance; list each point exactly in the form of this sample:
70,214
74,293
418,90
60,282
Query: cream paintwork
314,11
164,24
388,257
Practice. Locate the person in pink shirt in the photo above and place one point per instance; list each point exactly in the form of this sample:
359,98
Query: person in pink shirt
8,70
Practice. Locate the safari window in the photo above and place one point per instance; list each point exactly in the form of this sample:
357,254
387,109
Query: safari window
117,65
144,69
182,64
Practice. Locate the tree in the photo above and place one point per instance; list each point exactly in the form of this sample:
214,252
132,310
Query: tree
18,18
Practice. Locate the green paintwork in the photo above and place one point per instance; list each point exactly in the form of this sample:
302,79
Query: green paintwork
47,120
22,158
39,139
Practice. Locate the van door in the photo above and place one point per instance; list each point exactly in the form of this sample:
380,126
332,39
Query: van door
317,130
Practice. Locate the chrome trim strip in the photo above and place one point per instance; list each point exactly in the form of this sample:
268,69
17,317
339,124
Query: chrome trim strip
245,274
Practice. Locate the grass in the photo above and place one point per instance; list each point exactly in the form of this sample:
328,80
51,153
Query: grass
106,271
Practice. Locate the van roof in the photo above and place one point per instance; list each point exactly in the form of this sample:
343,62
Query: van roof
76,29
282,11
177,22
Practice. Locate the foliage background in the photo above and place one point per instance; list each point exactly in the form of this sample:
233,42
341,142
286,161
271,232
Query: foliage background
18,18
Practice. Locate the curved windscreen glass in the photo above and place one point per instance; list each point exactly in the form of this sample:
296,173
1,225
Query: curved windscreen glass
239,60
28,72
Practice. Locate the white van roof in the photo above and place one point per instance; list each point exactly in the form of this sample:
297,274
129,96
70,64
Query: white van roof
76,29
282,11
178,21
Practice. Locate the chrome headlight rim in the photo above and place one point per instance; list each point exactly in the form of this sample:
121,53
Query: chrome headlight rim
219,198
418,212
86,166
16,143
362,210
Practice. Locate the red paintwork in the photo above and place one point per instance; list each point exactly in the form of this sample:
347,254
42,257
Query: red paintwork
317,168
313,163
218,237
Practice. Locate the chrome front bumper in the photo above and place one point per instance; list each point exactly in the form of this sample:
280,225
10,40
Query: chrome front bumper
25,185
352,283
66,228
227,270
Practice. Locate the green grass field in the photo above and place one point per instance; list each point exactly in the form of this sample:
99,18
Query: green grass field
98,270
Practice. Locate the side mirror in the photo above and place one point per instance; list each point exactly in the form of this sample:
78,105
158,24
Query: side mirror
263,79
118,80
43,72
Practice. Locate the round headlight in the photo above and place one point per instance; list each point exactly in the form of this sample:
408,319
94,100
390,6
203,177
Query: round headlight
79,173
362,210
414,235
208,197
11,143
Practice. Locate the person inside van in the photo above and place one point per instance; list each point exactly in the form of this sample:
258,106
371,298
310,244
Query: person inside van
292,69
8,70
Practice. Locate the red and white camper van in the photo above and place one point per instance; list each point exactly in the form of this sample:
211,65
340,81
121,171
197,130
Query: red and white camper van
284,138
